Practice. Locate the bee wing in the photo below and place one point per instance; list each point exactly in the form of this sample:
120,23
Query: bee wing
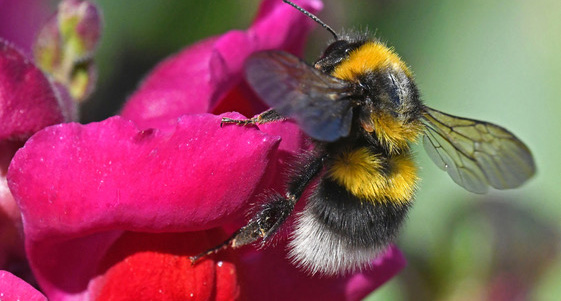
475,153
316,101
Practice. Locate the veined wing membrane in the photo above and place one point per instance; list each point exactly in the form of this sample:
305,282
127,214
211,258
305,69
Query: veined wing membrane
319,103
476,154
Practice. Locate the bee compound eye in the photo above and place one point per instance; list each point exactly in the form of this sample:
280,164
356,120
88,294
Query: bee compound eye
334,47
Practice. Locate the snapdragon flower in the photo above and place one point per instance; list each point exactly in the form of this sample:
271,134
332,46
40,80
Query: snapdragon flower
113,209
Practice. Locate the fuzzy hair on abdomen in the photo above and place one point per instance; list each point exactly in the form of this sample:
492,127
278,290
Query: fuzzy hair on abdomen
339,233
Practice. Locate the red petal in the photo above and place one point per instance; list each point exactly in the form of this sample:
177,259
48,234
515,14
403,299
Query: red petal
157,267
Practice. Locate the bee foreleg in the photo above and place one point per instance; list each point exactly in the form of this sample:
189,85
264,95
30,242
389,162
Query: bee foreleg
265,117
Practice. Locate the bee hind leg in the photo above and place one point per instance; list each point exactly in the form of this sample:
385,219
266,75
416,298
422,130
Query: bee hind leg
263,225
275,210
265,117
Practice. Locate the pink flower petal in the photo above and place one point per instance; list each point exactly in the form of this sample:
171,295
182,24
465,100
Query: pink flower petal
197,79
80,186
289,283
178,85
28,101
189,175
12,288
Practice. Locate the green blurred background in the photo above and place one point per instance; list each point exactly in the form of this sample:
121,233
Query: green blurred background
492,60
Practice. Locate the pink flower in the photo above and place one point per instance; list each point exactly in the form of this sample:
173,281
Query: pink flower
114,209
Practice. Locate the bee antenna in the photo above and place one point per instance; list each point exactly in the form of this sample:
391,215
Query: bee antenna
313,17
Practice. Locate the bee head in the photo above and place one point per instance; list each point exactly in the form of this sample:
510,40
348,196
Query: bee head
336,53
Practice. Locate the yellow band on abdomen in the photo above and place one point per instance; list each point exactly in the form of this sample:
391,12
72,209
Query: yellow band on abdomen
362,173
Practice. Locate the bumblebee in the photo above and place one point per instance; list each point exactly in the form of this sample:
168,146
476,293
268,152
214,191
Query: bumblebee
360,106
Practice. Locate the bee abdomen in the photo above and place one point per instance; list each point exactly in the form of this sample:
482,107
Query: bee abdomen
340,232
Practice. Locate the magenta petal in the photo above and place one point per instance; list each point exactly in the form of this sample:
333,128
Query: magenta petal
28,101
79,186
72,177
179,85
280,26
12,288
200,76
289,283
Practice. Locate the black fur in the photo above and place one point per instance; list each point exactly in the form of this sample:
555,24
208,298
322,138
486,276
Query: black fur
360,223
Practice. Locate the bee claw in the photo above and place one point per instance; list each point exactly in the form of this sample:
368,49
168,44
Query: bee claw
229,242
225,120
194,259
